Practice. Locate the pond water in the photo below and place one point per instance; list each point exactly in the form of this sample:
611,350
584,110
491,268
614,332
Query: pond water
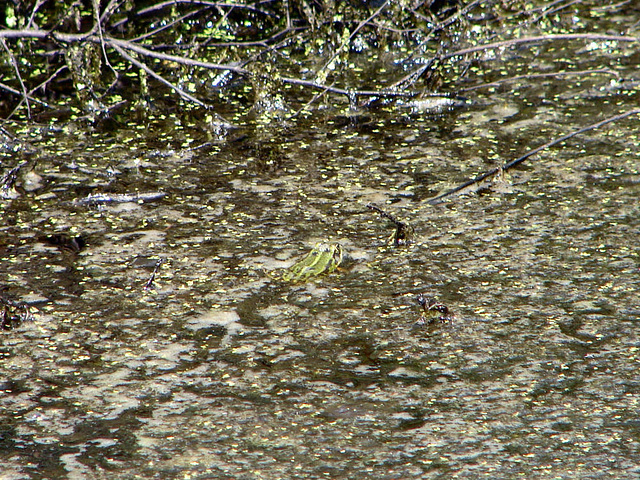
216,368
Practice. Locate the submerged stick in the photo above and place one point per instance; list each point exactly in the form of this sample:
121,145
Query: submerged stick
403,232
438,199
104,198
149,284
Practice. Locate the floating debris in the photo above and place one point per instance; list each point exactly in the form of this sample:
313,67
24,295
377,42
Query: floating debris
13,313
103,198
432,311
64,241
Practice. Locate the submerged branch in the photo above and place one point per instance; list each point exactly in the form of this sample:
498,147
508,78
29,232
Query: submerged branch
439,199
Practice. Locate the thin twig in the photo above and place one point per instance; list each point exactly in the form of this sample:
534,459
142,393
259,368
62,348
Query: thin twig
17,92
547,11
160,78
438,199
413,76
98,28
348,93
166,26
34,10
37,87
14,63
310,102
109,10
153,275
49,79
125,44
262,43
440,26
171,3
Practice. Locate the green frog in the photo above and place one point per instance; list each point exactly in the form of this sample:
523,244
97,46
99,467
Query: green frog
324,258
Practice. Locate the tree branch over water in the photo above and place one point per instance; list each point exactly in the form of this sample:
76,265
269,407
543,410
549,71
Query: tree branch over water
176,42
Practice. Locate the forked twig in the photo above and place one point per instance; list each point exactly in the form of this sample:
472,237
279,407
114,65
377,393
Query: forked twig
16,92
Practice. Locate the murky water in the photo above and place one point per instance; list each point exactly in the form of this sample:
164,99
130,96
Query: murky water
220,370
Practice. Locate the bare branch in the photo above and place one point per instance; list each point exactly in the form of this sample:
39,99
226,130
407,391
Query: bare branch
34,10
99,34
127,45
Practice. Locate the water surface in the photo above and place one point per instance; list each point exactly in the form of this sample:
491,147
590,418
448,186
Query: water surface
220,370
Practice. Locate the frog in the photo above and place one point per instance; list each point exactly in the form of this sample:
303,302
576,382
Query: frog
324,258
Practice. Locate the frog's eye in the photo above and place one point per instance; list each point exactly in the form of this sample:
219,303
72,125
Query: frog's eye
337,255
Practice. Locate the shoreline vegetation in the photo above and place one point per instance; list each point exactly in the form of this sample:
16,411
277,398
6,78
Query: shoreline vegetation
98,56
